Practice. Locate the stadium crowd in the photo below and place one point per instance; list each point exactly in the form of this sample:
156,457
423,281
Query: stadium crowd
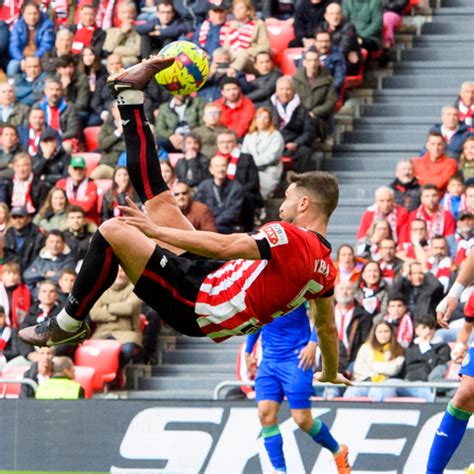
223,152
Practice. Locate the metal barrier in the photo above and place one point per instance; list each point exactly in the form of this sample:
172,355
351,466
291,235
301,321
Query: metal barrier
388,384
29,382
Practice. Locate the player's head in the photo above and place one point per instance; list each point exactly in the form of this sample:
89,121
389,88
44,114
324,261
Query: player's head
312,195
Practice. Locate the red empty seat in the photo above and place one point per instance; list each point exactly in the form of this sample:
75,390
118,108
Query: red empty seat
356,81
85,376
340,101
92,160
287,163
280,33
12,390
103,356
91,137
288,58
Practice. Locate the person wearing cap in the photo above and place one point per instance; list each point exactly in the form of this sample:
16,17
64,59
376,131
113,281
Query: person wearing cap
80,190
23,238
208,34
51,161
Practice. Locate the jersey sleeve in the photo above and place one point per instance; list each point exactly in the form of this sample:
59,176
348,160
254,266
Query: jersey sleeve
269,236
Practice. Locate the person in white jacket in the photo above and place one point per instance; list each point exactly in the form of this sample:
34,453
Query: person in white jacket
265,143
379,358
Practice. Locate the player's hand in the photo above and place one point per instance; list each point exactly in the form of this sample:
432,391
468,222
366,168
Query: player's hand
250,361
135,217
339,379
445,309
307,356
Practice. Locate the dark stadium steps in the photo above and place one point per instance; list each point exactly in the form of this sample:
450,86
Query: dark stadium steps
411,123
203,382
182,393
455,67
200,356
442,79
462,53
178,369
411,136
400,110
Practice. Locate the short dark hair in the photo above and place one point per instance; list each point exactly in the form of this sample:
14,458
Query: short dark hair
263,53
230,80
166,3
322,185
429,187
57,233
435,133
426,320
65,60
72,209
68,271
320,31
10,126
397,297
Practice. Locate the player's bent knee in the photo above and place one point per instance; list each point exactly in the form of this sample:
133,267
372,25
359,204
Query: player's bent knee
267,418
111,227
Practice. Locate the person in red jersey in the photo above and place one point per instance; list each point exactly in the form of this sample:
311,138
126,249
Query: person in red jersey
204,283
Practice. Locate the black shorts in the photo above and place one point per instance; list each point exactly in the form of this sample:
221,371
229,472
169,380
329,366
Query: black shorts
170,285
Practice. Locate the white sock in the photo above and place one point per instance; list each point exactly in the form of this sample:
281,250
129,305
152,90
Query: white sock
130,97
66,322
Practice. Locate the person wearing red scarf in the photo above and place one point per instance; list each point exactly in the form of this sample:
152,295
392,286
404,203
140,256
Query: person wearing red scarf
86,32
465,105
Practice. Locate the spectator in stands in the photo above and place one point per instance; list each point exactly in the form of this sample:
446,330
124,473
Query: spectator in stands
53,213
465,104
469,196
466,164
168,173
114,197
453,132
400,319
294,123
193,13
368,20
61,385
434,167
117,316
86,34
243,169
65,284
406,187
390,265
315,87
237,110
29,84
9,148
460,242
60,115
25,189
193,167
4,218
61,13
80,190
208,34
40,371
51,162
62,46
379,358
162,29
30,134
422,291
454,200
222,195
75,85
53,258
12,112
372,290
23,237
438,220
15,297
266,145
392,18
309,16
385,208
344,37
210,128
32,35
331,58
244,36
369,248
353,322
348,266
439,263
219,69
124,40
262,87
196,212
417,245
177,118
77,235
8,340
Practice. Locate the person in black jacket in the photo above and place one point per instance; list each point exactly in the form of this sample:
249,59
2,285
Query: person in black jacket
23,238
51,162
77,236
406,188
222,195
193,168
40,370
309,15
294,123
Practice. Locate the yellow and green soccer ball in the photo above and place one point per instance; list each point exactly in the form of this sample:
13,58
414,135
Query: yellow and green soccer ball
188,73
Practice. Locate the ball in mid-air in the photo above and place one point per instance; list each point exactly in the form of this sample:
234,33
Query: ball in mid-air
188,73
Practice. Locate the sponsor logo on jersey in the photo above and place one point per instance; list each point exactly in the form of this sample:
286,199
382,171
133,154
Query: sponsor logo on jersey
276,235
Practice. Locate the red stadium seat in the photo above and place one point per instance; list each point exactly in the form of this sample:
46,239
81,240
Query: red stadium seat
356,81
143,322
288,58
103,185
85,376
91,137
92,160
12,390
280,33
340,101
103,356
287,163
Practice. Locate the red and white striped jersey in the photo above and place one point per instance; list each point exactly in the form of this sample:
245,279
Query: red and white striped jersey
243,295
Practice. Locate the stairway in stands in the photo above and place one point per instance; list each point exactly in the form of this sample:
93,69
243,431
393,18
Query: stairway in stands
394,122
392,125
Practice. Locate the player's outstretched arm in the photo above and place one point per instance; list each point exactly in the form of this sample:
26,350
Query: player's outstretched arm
207,244
322,312
465,277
